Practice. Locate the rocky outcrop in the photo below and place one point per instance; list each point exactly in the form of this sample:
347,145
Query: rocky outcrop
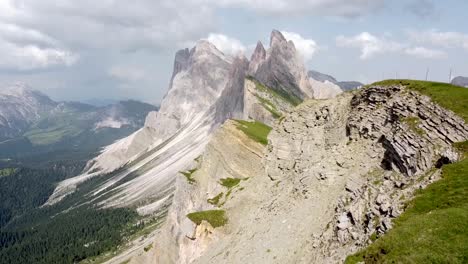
415,132
460,81
335,172
281,68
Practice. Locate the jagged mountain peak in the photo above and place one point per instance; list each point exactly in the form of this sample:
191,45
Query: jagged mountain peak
276,37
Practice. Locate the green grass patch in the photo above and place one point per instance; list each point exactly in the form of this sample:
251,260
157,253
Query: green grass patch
434,227
188,175
291,99
255,130
269,106
148,247
451,97
216,218
229,182
413,123
7,172
215,200
51,135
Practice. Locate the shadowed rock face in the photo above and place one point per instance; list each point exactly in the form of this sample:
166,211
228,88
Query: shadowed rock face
460,81
231,102
281,68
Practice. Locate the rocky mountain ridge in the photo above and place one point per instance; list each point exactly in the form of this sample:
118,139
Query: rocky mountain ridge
206,88
30,117
334,173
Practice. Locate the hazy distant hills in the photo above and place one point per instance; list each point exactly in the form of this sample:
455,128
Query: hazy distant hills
460,81
30,120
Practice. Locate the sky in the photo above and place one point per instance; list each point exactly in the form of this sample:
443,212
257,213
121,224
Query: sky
119,49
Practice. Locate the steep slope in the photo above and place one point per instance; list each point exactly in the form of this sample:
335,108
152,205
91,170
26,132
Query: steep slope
334,173
149,159
460,81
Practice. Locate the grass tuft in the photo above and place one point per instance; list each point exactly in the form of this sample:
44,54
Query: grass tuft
255,130
413,123
291,99
215,200
229,182
216,218
188,175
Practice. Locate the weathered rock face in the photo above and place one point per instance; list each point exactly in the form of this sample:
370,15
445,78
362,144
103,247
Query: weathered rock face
261,103
281,68
200,80
415,132
231,102
460,81
206,88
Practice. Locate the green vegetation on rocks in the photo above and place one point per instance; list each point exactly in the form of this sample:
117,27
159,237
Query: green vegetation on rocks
255,130
413,123
216,218
449,96
188,175
277,94
215,200
229,182
433,229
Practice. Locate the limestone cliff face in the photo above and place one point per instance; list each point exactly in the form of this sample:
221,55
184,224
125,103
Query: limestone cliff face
281,68
323,185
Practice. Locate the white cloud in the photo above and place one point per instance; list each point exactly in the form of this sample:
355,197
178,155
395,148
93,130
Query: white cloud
426,53
127,73
306,47
371,45
32,57
226,44
339,8
441,39
29,49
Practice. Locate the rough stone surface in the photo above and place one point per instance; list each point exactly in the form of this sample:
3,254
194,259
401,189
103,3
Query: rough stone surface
415,132
328,181
281,68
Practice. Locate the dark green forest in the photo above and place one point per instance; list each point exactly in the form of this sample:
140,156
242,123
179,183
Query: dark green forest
30,233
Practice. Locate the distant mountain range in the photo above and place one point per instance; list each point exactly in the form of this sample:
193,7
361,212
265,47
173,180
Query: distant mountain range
31,122
460,81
